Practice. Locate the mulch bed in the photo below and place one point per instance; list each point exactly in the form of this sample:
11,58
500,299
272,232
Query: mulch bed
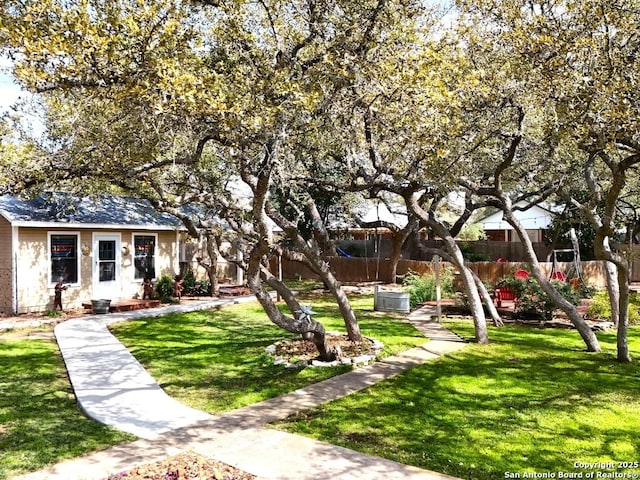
298,348
183,467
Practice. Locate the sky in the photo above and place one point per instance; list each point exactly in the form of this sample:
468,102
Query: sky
9,91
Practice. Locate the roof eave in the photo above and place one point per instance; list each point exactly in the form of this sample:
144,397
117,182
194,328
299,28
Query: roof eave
95,226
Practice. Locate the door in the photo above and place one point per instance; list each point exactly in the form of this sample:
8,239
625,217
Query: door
106,266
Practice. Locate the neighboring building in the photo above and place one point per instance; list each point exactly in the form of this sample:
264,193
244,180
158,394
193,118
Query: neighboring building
100,246
536,221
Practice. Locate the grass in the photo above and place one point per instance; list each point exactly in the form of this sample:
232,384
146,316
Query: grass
40,423
532,401
215,361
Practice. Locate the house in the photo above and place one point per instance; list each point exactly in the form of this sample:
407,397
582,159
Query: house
100,246
536,220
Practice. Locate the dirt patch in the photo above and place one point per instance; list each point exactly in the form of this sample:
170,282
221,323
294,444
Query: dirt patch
297,348
182,467
299,353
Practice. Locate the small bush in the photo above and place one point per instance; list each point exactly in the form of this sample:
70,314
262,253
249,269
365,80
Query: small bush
422,288
53,313
533,300
600,308
203,288
189,283
469,253
164,288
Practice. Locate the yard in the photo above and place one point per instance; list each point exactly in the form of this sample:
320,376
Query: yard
215,361
531,401
40,423
210,360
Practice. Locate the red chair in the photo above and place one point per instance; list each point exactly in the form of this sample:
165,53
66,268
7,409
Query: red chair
503,293
559,276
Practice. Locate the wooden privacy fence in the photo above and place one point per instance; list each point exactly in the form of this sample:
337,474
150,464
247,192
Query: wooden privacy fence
353,270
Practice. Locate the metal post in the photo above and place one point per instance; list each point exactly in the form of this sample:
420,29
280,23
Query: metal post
278,298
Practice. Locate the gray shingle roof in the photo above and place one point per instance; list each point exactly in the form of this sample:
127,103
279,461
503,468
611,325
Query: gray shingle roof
94,210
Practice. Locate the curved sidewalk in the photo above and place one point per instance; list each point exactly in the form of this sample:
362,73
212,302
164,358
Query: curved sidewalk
112,387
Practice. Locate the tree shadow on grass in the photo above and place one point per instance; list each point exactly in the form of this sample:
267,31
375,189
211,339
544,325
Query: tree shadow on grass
478,413
40,422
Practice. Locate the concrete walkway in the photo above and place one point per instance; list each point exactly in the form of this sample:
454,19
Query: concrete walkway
113,388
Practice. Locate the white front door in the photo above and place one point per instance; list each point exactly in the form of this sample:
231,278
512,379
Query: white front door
106,266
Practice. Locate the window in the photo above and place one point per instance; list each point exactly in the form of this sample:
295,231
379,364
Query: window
107,260
64,258
144,256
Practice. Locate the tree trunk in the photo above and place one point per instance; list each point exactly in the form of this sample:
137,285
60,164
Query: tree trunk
348,315
455,254
482,291
613,289
590,339
488,302
399,238
315,260
475,304
212,252
623,322
302,325
603,250
396,252
321,268
329,279
285,292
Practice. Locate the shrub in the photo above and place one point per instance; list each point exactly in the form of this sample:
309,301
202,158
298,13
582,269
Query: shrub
189,283
533,300
600,308
164,288
203,288
422,288
469,253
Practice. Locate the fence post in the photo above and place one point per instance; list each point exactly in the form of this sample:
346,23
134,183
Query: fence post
375,298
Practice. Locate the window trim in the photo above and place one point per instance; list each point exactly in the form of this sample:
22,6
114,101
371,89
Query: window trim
76,234
133,253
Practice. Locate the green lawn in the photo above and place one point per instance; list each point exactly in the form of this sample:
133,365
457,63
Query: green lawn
532,401
40,423
215,360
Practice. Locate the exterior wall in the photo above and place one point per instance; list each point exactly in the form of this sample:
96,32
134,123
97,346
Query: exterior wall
535,236
166,260
6,276
35,291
